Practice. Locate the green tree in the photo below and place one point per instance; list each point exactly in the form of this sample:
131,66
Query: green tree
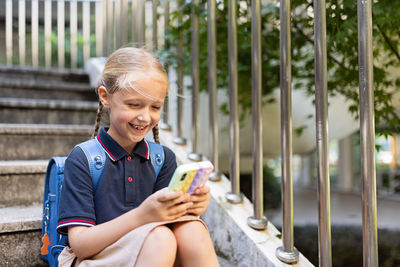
342,51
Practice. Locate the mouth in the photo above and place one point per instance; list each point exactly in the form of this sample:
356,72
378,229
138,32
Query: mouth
138,128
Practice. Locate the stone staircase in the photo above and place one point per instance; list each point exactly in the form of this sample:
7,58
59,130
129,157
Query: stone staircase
43,113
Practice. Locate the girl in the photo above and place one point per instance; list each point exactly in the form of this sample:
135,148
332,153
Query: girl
131,219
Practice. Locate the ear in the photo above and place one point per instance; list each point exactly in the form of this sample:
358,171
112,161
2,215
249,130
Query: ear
104,96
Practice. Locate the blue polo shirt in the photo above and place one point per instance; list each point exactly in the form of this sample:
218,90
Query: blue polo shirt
127,180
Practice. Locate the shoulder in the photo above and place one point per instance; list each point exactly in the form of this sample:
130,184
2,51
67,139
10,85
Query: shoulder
76,153
76,160
169,160
169,154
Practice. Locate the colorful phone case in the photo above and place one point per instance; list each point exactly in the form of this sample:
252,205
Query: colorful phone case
202,175
183,177
189,176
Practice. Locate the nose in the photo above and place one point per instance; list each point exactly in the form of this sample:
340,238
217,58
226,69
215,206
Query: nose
144,115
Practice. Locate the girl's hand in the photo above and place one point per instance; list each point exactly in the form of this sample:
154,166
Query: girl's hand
200,199
165,205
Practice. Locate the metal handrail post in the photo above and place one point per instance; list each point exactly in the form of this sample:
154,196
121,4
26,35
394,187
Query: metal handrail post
321,106
212,89
194,155
21,30
179,139
367,134
141,22
124,22
73,22
105,28
99,27
60,33
286,253
86,29
110,27
9,34
47,32
118,23
258,221
35,33
234,174
154,18
134,22
164,115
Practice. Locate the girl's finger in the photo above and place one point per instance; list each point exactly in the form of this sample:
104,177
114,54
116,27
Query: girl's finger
200,198
174,202
165,195
184,198
195,211
181,208
202,190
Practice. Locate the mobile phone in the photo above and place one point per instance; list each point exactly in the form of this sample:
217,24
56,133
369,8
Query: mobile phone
188,177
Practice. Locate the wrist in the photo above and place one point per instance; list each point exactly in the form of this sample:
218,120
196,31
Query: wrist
138,216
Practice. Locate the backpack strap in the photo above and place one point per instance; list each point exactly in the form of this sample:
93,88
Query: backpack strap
157,156
96,157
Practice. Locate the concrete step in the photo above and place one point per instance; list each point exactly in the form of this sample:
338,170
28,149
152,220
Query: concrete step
21,88
25,72
40,141
20,231
45,84
24,181
47,111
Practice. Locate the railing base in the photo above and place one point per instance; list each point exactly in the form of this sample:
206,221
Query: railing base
195,156
257,224
180,141
164,126
215,176
234,198
287,257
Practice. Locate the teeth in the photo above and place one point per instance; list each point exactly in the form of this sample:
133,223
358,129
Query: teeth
138,127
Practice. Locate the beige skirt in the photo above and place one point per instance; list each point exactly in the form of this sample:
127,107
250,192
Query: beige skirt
123,252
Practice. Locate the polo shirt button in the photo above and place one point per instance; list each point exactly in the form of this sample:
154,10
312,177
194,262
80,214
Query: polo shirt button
129,158
130,179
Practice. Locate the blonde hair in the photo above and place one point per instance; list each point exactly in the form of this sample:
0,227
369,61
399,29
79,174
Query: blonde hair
122,69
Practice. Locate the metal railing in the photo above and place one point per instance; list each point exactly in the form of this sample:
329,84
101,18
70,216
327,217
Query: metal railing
79,29
287,253
120,22
367,133
321,111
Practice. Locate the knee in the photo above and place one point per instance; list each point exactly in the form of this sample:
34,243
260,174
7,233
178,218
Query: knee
163,239
195,228
161,242
191,232
188,236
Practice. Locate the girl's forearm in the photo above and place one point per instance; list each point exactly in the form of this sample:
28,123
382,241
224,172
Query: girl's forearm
88,241
160,206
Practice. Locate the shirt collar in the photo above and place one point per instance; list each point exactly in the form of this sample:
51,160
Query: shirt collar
116,152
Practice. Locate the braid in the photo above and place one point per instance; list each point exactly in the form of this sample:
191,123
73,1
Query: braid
98,118
155,134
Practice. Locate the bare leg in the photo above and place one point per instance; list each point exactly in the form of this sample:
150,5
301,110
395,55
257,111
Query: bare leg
159,249
195,247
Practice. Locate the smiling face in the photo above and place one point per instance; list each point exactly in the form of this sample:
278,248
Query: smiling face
134,111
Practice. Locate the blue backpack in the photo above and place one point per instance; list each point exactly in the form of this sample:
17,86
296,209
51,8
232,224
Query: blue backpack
53,242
